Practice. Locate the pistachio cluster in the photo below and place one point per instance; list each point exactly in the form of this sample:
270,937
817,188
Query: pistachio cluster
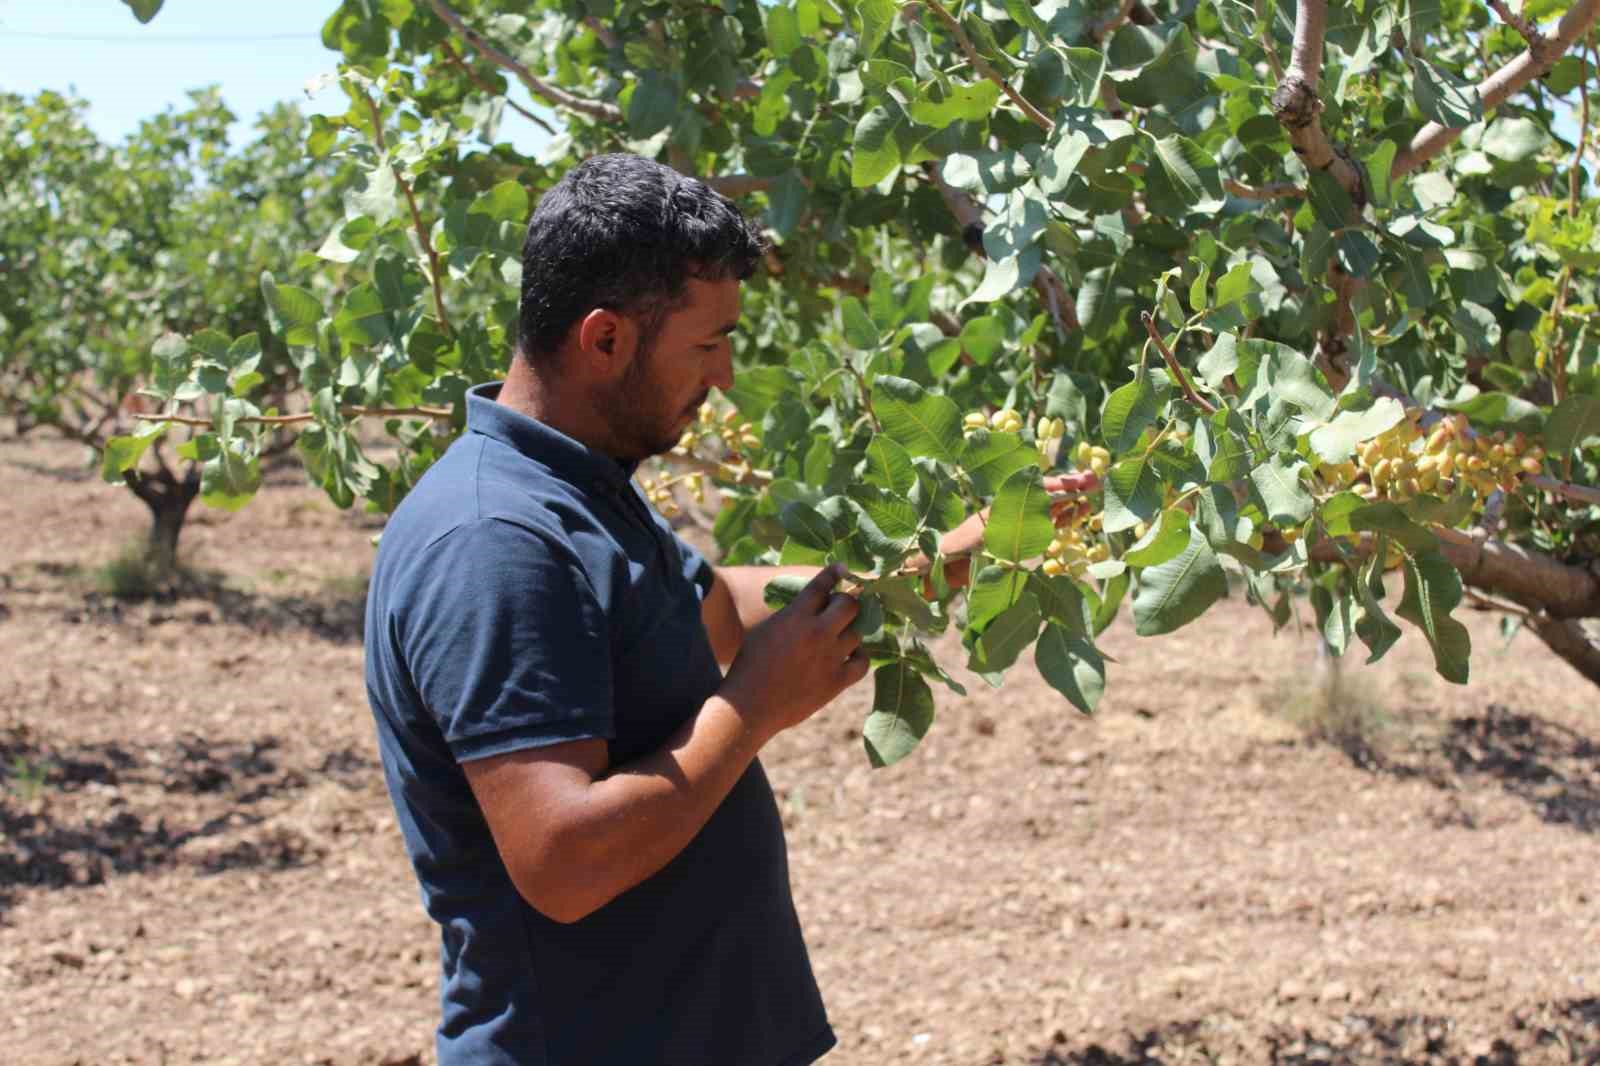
736,436
1004,420
660,490
1404,462
1092,457
1077,544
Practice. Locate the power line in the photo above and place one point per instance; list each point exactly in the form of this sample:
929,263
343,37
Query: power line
157,38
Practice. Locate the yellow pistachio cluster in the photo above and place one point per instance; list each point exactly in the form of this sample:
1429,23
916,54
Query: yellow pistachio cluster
1077,543
659,490
736,436
1004,420
1404,462
1046,433
1092,457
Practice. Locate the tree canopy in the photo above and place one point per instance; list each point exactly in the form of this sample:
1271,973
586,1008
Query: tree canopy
1310,285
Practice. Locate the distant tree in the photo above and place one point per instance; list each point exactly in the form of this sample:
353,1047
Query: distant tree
106,248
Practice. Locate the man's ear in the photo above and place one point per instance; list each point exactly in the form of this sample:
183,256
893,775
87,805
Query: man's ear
606,340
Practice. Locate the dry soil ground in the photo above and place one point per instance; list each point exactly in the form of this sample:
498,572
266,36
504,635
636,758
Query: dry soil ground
197,861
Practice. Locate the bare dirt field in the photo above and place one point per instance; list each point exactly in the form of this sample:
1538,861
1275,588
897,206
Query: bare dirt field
198,862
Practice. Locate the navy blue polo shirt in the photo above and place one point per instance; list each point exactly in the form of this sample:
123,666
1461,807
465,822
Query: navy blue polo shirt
525,594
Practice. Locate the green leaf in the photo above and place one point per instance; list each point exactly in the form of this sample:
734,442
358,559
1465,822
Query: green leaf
1072,666
806,526
1129,411
1000,277
889,466
1006,637
1162,541
858,327
924,423
1514,138
652,104
295,311
869,619
1433,588
781,591
1336,441
990,458
1391,520
902,711
1192,172
1330,202
783,31
876,152
877,16
1378,163
889,522
229,480
506,202
1019,518
1132,494
1372,625
992,593
362,320
1574,421
1284,498
144,10
123,453
1444,98
1180,590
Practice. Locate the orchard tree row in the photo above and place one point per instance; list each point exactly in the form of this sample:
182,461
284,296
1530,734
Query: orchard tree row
1308,286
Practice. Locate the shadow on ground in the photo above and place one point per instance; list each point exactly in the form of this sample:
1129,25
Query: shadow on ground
200,790
1567,1031
1555,770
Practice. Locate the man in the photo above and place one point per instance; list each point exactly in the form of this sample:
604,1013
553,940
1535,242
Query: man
575,776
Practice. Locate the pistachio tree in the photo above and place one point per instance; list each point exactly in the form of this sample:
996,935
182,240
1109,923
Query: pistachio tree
107,248
1309,286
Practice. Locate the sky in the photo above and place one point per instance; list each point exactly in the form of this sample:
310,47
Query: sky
257,52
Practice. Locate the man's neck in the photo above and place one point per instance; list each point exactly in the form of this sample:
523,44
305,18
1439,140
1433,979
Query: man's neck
566,409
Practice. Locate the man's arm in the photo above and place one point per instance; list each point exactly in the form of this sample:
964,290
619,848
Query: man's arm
575,832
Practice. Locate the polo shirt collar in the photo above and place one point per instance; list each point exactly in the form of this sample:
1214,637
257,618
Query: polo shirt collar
570,460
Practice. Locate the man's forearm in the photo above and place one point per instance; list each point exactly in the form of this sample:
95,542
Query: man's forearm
635,819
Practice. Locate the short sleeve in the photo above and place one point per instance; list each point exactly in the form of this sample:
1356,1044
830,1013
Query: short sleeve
506,641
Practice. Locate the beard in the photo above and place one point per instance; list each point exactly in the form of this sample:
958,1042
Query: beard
636,410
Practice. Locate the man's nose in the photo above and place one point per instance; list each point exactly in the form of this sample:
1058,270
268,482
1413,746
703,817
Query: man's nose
722,370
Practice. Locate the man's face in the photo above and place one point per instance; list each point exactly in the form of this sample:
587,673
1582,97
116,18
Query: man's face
660,392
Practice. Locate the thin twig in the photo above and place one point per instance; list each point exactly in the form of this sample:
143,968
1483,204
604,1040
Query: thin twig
597,109
1583,129
1275,191
306,416
1172,365
981,65
455,57
417,224
1530,33
1493,90
1575,493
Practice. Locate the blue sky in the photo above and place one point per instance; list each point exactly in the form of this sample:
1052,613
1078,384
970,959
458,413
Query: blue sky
258,52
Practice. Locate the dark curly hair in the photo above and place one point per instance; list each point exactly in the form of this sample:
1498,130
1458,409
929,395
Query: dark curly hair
624,233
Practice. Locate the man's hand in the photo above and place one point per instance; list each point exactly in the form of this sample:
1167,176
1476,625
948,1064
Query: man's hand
960,543
798,660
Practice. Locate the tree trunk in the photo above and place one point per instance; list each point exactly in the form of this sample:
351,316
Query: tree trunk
168,498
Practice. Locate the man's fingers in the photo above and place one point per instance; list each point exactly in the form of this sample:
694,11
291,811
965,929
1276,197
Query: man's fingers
1079,481
840,611
817,590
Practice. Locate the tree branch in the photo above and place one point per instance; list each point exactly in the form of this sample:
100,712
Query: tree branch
1275,191
1434,138
353,411
1537,43
1297,105
734,186
472,76
981,65
596,109
1566,489
1536,581
1569,639
416,221
1172,365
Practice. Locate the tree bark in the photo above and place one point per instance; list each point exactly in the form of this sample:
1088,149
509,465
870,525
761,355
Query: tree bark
1572,641
168,498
